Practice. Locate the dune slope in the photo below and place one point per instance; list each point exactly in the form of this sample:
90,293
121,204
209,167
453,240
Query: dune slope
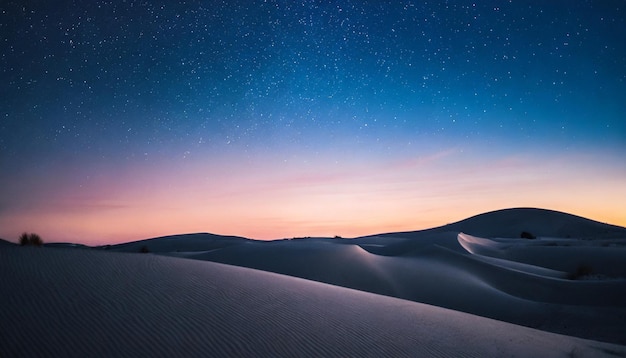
542,283
76,303
530,295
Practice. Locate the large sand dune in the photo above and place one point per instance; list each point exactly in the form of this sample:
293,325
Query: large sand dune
524,294
570,285
71,300
541,222
76,303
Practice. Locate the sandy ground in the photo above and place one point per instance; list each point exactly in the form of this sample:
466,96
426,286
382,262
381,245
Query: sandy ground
78,302
467,289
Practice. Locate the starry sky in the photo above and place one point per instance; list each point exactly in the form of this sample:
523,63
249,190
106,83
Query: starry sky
123,120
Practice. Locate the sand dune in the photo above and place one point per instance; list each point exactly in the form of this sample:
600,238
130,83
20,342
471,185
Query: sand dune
604,258
6,243
174,243
540,222
534,296
536,283
76,303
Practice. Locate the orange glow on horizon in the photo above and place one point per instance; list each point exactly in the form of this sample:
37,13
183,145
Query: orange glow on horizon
316,200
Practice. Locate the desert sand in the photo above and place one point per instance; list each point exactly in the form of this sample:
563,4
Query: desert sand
468,289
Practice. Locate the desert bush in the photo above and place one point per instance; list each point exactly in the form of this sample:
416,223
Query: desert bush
35,240
144,249
527,235
32,239
24,239
581,271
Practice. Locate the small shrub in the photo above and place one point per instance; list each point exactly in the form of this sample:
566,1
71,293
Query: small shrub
581,271
24,239
144,249
33,239
527,235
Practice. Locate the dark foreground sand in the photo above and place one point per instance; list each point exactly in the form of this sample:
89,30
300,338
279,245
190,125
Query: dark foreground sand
83,303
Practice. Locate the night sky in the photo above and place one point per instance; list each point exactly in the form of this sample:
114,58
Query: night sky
122,120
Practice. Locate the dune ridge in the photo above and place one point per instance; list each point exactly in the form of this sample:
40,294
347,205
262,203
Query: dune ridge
68,302
511,222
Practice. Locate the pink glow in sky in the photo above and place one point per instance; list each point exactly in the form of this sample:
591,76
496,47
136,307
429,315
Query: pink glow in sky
338,195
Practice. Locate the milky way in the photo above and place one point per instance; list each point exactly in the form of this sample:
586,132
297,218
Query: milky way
122,120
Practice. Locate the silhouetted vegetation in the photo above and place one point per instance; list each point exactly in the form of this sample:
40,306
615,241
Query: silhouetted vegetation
527,235
32,239
581,271
144,249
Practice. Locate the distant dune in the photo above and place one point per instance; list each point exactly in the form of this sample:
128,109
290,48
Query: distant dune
539,222
5,242
569,279
184,242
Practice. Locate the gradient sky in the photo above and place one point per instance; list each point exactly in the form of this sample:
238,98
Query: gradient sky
123,120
